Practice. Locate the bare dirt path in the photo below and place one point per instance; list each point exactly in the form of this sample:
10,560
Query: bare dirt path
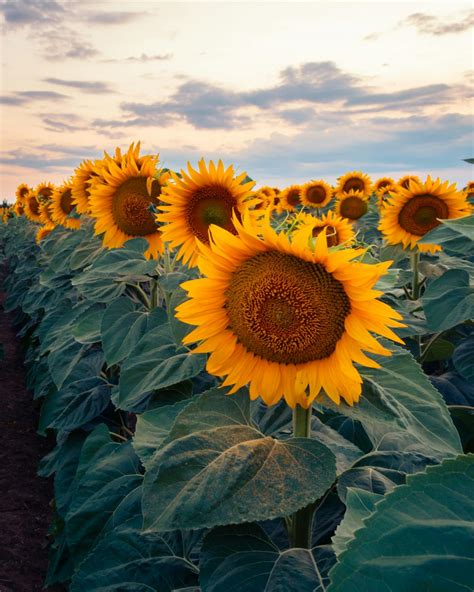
24,497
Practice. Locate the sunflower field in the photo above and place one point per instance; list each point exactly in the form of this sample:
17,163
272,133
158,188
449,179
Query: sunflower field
250,389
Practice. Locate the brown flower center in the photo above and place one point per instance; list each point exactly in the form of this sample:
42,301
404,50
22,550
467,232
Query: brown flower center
208,205
353,207
316,194
383,184
354,183
130,207
34,205
286,310
45,193
66,202
24,191
293,197
420,214
331,234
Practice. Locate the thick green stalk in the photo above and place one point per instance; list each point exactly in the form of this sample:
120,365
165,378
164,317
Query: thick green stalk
415,284
302,520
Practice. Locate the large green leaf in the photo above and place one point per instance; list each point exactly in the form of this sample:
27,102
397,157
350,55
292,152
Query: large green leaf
123,325
243,559
155,363
453,235
86,327
217,469
418,538
448,300
400,409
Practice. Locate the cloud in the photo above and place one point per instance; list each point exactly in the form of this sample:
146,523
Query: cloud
45,157
64,43
19,13
24,97
372,37
432,25
112,18
300,94
143,58
84,85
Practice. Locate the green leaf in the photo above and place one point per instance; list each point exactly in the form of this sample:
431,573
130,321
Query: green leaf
463,357
448,300
442,349
86,327
360,504
453,235
154,363
123,325
217,469
243,559
399,405
418,538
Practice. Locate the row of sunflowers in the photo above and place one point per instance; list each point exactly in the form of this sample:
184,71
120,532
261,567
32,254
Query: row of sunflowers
337,319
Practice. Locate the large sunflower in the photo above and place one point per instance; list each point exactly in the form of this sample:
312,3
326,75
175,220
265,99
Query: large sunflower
353,181
62,206
283,318
316,194
404,181
198,199
338,230
31,206
22,191
290,197
352,204
122,198
411,213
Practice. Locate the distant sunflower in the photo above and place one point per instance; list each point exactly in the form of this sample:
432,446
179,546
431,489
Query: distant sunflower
46,214
284,319
290,197
262,200
31,206
80,190
470,187
352,204
44,191
62,206
382,185
22,191
405,181
122,199
266,190
316,194
43,232
384,193
199,198
19,208
338,230
353,181
411,213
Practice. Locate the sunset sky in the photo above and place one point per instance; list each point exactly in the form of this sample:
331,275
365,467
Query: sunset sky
286,91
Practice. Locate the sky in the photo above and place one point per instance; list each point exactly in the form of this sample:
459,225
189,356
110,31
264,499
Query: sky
286,91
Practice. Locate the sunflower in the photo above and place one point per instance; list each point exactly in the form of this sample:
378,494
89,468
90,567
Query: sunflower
44,191
43,232
316,194
263,202
290,197
31,206
62,206
283,318
411,213
46,214
122,198
404,181
81,185
19,208
354,181
22,191
352,204
269,192
384,192
381,185
198,199
338,230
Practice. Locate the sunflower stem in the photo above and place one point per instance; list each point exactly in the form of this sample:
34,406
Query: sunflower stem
302,520
415,284
154,293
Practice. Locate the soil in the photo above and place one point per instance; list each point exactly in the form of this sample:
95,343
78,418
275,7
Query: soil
25,498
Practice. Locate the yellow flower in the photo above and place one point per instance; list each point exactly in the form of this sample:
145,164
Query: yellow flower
31,206
198,199
62,206
382,185
122,197
338,230
352,204
287,320
22,191
353,181
43,232
316,194
289,198
404,181
46,214
19,208
44,191
81,186
410,213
